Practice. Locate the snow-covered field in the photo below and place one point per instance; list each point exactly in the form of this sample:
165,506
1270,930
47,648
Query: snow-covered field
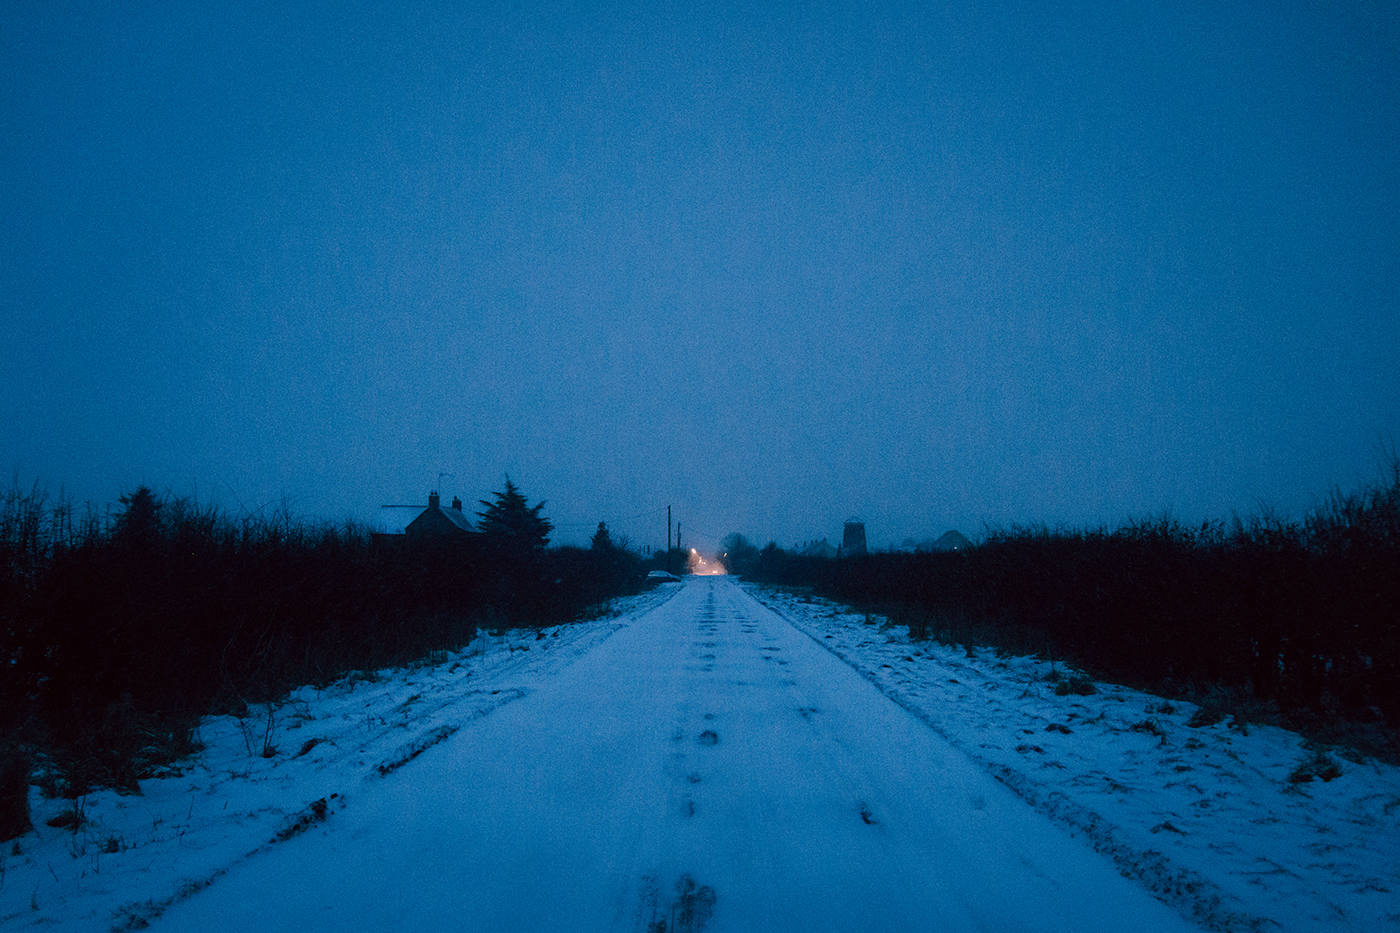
694,760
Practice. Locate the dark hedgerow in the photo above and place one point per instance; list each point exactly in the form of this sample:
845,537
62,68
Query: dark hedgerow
118,635
1303,616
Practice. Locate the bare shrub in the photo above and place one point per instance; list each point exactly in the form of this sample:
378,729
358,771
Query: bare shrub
1293,620
14,790
1319,765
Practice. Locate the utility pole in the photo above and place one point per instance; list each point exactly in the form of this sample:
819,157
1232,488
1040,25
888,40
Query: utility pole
668,539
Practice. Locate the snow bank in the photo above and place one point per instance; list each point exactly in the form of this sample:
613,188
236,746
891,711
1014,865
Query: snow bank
1212,818
134,856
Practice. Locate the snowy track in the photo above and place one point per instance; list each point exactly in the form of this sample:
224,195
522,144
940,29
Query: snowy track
708,766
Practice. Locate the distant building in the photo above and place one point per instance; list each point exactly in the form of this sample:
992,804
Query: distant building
437,523
853,538
818,549
952,541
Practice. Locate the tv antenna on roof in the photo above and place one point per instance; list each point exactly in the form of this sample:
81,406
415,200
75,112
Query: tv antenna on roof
439,486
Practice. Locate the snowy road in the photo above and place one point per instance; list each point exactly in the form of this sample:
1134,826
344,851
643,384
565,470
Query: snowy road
709,767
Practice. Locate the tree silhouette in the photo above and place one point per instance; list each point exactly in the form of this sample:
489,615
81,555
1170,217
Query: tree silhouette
739,554
511,527
602,541
139,523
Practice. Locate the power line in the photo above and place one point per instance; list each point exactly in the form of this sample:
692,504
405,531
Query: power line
617,521
707,537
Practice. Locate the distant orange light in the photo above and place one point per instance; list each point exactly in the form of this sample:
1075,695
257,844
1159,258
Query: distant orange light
702,567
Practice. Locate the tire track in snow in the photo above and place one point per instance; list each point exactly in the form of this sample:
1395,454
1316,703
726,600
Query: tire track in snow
649,785
1187,891
430,715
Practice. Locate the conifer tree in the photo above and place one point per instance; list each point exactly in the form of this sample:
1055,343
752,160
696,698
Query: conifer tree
139,524
512,527
602,541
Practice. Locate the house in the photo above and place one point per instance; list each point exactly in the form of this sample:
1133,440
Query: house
437,523
818,549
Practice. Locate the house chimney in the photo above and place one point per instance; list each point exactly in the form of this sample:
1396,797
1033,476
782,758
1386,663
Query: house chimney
457,503
433,500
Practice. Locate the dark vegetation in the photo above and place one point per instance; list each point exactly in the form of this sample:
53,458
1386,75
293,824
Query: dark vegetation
1261,617
120,631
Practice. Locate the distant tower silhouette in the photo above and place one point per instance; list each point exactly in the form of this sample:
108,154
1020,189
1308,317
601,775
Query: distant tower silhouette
853,538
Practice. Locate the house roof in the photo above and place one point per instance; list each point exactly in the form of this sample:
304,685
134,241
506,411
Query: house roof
437,519
456,517
952,541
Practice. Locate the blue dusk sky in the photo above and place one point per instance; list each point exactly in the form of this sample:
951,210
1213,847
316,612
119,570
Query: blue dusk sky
775,265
